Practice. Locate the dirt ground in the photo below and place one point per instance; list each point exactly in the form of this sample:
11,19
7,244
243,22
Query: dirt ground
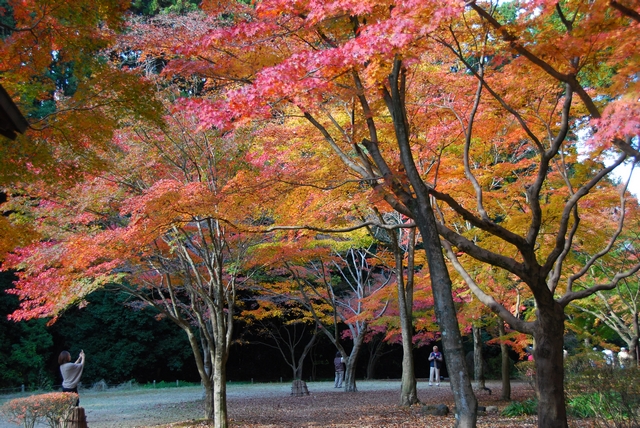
271,405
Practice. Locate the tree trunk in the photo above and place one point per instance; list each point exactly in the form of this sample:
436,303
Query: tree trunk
208,400
375,346
314,364
633,348
424,217
506,366
205,368
446,314
350,373
478,363
297,368
408,391
206,356
548,356
297,372
220,419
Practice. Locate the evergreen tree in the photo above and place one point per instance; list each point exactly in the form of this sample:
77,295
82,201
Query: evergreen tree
123,341
155,7
26,346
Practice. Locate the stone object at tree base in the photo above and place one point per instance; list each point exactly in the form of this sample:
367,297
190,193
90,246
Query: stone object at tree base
437,410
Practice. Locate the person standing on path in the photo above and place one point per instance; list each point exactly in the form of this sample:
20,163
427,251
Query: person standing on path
625,359
435,359
71,372
338,362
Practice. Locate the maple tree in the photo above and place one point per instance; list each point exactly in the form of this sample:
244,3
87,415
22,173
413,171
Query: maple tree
616,310
377,347
155,225
54,68
285,324
144,210
154,7
475,316
507,120
333,287
543,271
78,193
502,117
74,99
403,243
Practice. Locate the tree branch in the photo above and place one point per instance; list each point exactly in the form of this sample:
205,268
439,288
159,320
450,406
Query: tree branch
545,66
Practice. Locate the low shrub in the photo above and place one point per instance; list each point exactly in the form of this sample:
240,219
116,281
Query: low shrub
52,408
100,386
610,396
585,360
521,408
127,385
582,406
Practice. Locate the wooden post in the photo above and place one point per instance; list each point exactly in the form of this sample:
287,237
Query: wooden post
77,418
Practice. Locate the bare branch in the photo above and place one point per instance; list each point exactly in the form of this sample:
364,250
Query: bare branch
487,300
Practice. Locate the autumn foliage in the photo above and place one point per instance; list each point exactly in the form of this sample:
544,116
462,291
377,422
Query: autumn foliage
493,129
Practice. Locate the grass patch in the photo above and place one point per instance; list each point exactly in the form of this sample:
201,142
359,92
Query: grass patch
164,384
521,408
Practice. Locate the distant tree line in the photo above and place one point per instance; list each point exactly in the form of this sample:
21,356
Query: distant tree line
125,342
122,343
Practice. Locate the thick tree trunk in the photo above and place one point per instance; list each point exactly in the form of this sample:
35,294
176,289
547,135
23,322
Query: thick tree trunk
297,373
349,375
506,366
408,391
424,217
548,356
446,314
205,368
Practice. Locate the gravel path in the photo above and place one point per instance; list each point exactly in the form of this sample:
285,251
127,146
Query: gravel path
122,408
130,408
